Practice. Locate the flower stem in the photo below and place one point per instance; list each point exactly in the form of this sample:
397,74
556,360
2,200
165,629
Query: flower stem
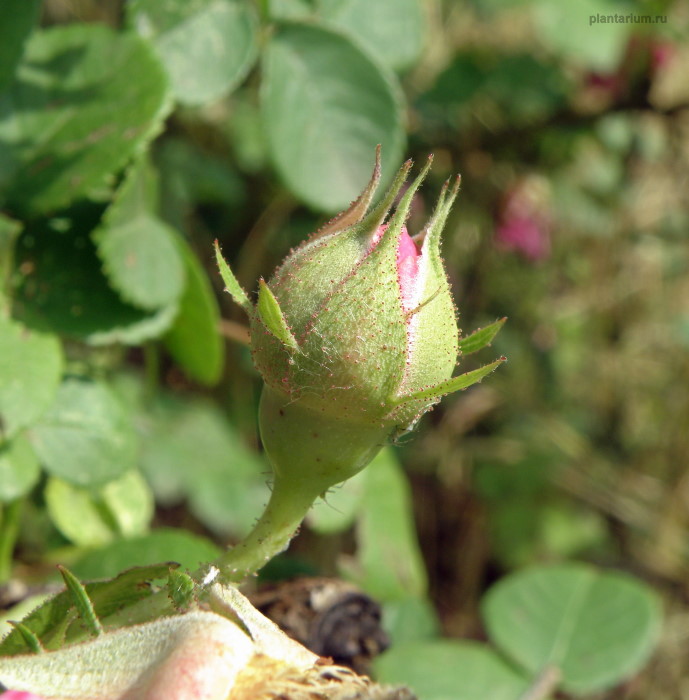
288,505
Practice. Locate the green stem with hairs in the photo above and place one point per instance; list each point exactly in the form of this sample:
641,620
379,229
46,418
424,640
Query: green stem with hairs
286,509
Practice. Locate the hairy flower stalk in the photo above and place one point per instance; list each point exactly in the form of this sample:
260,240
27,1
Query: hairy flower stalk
355,337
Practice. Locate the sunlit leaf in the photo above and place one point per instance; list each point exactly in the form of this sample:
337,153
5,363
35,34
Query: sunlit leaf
84,100
30,369
392,30
389,563
326,106
92,517
207,46
140,256
19,468
86,437
449,670
596,627
191,451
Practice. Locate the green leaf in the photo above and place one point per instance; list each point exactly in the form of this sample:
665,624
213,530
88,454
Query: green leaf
291,9
597,628
19,17
86,438
411,619
139,252
191,551
391,30
480,338
389,562
448,670
273,319
326,106
19,469
93,517
207,46
231,285
50,296
194,340
30,371
191,451
85,100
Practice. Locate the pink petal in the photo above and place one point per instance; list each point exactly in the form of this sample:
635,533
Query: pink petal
407,268
407,264
19,695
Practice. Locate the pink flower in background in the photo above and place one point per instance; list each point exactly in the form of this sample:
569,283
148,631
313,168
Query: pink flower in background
605,83
645,58
19,695
662,53
524,221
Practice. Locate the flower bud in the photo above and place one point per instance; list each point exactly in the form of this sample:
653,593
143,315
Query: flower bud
355,336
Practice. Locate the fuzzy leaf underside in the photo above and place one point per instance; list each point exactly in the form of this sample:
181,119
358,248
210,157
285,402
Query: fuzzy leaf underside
52,622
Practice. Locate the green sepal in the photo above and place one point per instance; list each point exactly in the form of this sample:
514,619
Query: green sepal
358,208
463,381
231,285
270,313
180,589
81,601
31,640
402,211
377,215
480,338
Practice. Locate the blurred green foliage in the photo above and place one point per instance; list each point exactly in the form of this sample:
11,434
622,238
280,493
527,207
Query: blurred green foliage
132,134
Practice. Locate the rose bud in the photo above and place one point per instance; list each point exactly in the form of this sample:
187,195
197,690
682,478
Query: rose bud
355,337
